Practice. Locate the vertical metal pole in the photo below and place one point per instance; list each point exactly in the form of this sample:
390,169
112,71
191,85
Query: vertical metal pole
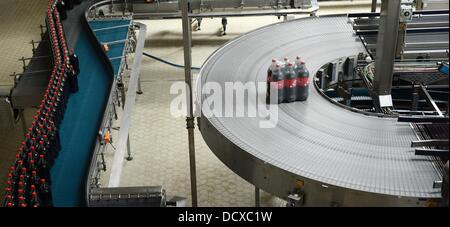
129,158
122,91
386,46
373,8
139,91
419,4
257,201
188,79
401,40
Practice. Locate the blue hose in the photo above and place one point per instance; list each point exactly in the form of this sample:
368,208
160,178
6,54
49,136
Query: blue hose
166,62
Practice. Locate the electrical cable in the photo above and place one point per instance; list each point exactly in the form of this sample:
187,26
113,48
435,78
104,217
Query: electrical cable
167,62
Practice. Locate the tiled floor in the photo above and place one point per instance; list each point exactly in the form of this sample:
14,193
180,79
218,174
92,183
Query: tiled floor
158,141
20,20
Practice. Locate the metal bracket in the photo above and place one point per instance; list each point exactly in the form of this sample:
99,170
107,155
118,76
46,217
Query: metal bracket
295,200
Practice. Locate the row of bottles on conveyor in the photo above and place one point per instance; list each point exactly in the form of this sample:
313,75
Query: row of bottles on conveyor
28,183
289,79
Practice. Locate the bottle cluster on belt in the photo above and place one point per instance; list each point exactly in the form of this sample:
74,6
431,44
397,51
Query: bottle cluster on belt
28,183
289,79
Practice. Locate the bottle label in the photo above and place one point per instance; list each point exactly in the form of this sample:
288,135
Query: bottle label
302,81
291,83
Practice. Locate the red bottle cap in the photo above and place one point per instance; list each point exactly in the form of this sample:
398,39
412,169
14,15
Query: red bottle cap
33,187
42,180
10,205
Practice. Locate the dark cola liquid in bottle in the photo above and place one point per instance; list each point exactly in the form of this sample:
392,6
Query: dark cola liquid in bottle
278,79
45,194
270,70
290,86
43,169
302,80
61,7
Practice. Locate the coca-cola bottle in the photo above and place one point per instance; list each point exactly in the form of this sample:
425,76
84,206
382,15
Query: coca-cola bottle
34,200
22,185
43,167
34,178
290,83
302,81
19,165
61,7
45,194
75,62
30,158
73,79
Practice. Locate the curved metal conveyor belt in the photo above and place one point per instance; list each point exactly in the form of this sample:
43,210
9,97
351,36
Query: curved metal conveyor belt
334,156
78,130
85,109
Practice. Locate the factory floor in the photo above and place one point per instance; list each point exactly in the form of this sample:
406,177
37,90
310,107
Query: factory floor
159,142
